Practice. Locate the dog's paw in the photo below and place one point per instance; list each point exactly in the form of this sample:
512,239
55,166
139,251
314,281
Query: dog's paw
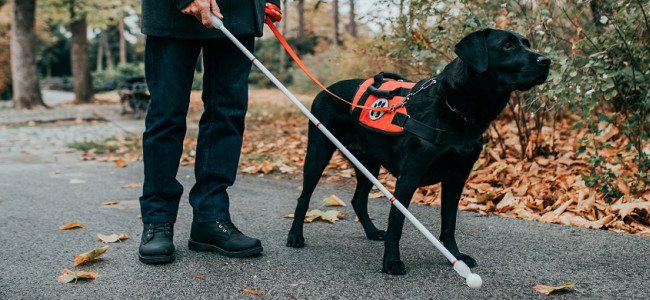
468,260
295,241
377,235
395,267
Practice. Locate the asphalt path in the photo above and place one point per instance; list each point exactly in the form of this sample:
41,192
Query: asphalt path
338,262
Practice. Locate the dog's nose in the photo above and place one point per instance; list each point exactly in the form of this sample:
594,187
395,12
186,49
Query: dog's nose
543,60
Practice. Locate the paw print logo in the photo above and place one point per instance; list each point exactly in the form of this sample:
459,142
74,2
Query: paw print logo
379,103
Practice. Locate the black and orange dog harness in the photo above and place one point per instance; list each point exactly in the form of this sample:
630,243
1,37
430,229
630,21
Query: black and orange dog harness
390,115
378,93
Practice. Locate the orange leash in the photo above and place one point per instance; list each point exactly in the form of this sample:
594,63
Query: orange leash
295,57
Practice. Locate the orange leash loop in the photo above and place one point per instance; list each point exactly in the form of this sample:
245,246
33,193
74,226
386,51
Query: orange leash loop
295,57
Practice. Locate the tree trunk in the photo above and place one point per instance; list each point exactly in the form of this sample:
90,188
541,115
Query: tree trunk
335,10
100,54
353,21
283,30
107,50
83,86
26,88
122,43
301,18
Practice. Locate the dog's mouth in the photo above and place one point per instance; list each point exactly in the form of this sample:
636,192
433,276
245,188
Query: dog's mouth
537,80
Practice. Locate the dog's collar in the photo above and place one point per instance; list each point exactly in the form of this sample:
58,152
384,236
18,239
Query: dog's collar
457,111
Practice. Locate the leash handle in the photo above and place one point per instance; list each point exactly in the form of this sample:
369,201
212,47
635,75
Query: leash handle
295,57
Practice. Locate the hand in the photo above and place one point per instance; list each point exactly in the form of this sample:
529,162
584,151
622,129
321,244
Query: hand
273,12
201,10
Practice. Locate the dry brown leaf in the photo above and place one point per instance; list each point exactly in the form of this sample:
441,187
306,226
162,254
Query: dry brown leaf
638,211
333,200
314,214
89,256
548,290
132,185
120,163
71,225
113,238
70,276
375,195
197,276
251,291
109,203
507,203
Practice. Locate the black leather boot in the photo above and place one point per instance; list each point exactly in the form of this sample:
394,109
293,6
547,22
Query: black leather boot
223,237
156,245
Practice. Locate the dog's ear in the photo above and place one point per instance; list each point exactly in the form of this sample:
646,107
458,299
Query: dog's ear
473,51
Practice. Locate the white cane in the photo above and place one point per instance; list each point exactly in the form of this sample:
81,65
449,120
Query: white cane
473,280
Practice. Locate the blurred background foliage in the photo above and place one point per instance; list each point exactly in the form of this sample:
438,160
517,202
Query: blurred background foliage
599,80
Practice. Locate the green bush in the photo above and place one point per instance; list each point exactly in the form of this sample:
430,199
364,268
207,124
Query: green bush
600,51
110,79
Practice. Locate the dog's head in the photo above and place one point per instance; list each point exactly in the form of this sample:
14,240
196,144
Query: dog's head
505,57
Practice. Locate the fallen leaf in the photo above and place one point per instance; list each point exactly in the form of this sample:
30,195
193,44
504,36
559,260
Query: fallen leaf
314,214
71,225
90,255
76,181
332,215
547,290
120,163
375,195
197,276
69,276
113,238
109,203
251,291
132,185
333,200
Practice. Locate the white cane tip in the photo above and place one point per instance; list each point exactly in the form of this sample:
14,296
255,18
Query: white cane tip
474,281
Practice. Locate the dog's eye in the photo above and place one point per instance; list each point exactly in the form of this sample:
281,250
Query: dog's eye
507,46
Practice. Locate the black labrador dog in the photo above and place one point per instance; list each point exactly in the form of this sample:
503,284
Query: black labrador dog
469,94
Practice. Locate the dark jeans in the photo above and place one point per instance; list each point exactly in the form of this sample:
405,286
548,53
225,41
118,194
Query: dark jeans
169,68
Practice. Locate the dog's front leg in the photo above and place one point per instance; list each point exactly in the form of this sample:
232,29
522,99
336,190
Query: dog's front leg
452,190
392,263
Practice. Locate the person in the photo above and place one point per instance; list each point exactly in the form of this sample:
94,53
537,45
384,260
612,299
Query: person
176,32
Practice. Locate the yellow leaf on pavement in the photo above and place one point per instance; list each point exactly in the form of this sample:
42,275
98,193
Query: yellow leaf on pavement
71,225
69,276
547,290
113,238
90,255
333,200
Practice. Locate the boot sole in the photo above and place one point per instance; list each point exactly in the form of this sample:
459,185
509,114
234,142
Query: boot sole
156,259
198,246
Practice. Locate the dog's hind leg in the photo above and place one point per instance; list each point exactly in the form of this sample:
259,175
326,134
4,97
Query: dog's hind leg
360,198
319,153
392,264
451,193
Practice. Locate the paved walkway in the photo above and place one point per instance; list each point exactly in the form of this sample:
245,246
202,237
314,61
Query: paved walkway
44,185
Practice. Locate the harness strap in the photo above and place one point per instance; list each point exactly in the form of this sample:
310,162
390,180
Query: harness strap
434,135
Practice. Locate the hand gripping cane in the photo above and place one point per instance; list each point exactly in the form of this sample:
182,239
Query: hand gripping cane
473,280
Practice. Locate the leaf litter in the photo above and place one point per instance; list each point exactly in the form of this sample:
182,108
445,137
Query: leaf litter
547,188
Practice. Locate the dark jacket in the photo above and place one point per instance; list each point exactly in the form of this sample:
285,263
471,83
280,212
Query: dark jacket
164,18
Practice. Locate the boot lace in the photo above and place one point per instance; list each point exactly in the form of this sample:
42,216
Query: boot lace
226,226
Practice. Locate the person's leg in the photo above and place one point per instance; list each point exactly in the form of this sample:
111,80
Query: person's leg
169,69
225,97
